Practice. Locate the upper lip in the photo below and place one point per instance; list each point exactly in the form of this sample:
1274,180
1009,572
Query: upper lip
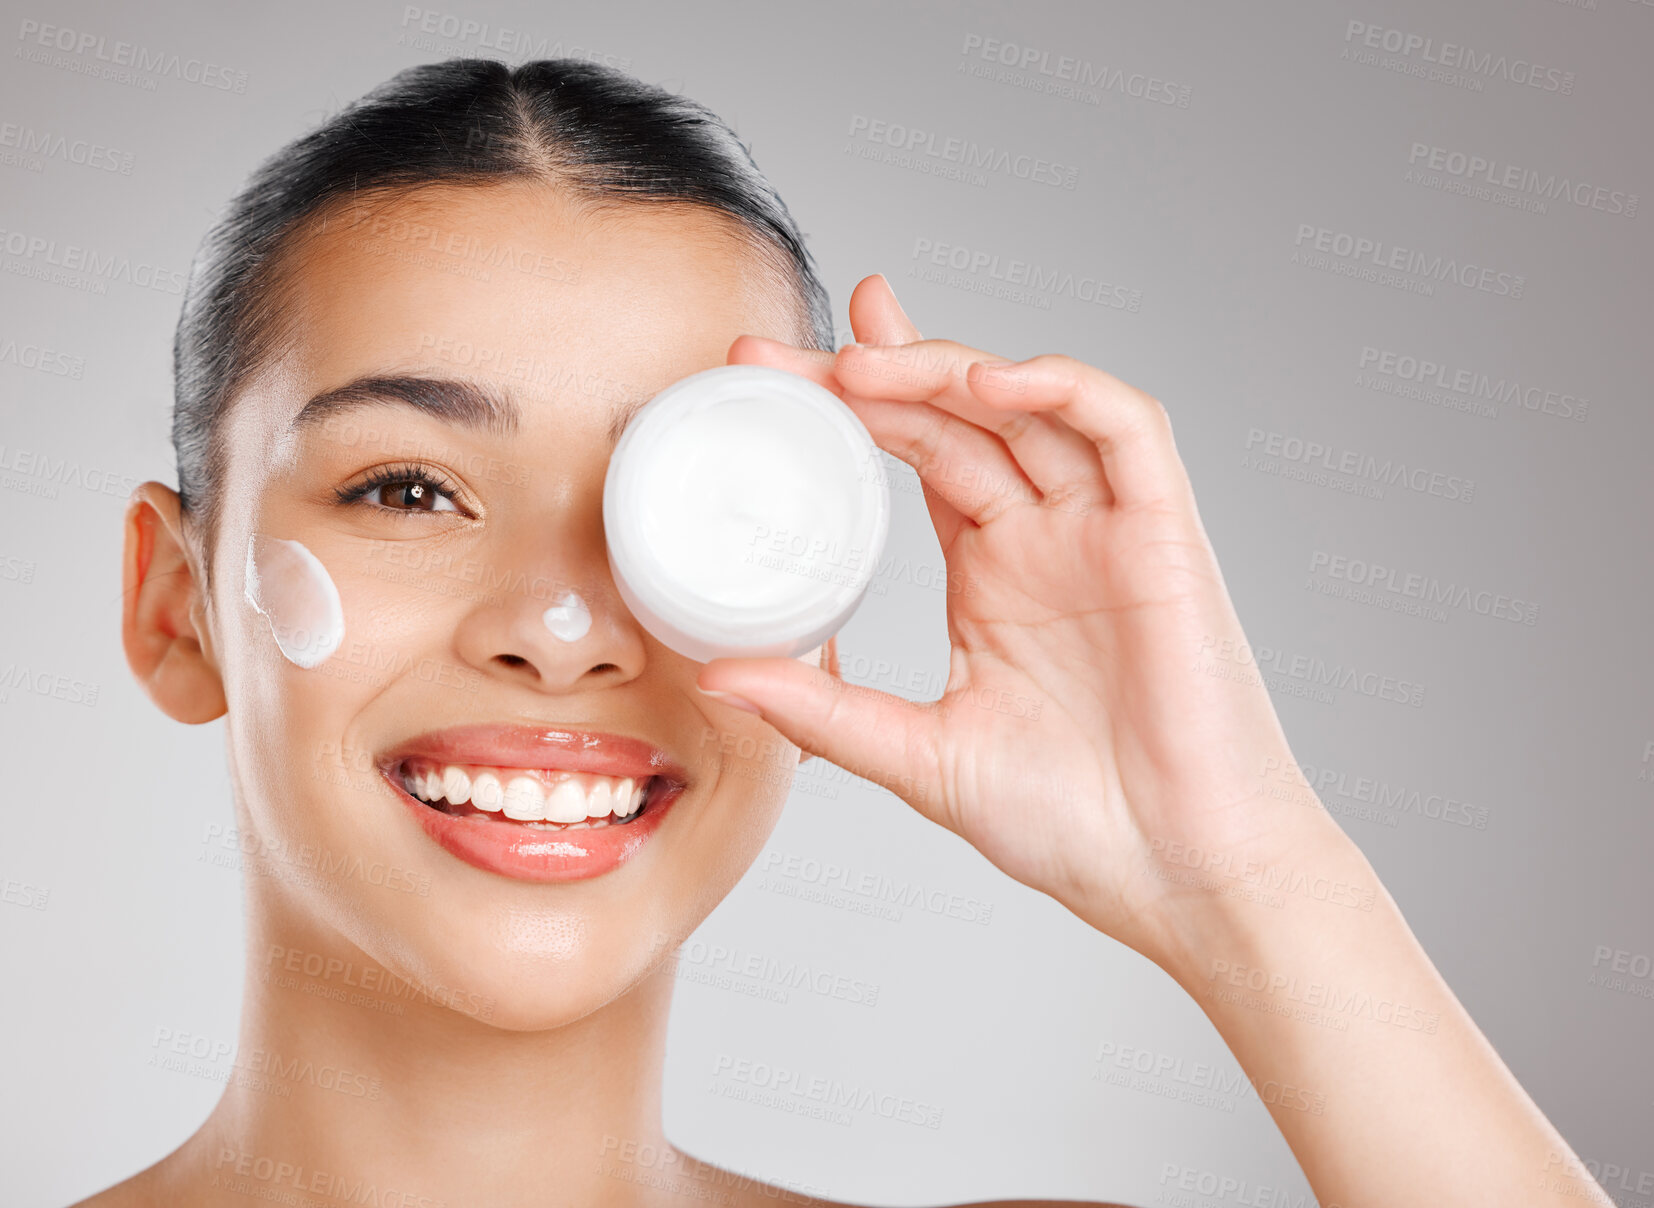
549,747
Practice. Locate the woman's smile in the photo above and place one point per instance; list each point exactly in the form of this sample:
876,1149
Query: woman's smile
537,804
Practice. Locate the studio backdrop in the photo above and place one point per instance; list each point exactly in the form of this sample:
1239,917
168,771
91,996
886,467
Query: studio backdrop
1397,303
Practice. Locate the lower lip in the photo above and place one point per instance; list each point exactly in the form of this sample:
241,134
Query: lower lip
527,853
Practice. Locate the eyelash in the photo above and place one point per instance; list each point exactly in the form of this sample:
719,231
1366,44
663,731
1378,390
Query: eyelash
408,472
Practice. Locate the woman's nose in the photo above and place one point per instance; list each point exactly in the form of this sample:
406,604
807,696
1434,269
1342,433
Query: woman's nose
555,633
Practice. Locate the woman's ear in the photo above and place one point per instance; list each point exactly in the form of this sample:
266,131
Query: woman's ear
163,614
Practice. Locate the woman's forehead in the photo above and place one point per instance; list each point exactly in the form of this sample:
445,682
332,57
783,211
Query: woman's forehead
571,310
525,261
522,284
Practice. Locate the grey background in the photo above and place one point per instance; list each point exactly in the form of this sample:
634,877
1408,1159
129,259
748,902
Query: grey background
110,900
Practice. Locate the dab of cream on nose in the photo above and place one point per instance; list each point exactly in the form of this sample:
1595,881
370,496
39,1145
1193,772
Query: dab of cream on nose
291,589
568,619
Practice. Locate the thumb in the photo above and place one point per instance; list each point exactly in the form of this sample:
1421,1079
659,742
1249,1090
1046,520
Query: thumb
875,735
875,315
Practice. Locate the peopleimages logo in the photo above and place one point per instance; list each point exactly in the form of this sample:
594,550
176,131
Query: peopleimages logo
1468,59
876,886
1426,589
42,359
35,251
50,145
1313,670
772,972
1388,471
422,27
1064,75
1014,271
116,53
62,472
918,144
1486,170
1506,390
23,678
1364,250
831,1094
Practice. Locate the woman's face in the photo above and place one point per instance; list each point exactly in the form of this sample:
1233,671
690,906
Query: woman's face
447,538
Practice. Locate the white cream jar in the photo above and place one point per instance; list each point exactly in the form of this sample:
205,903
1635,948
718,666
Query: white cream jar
745,512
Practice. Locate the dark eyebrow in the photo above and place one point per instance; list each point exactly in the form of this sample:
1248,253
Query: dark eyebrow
451,399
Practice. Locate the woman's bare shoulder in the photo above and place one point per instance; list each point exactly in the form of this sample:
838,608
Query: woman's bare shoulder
149,1188
988,1204
1044,1204
768,1195
136,1192
144,1190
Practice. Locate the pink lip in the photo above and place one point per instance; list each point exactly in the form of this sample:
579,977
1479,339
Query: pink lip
526,853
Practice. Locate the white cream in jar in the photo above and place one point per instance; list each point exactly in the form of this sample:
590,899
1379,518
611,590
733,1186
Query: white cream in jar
745,513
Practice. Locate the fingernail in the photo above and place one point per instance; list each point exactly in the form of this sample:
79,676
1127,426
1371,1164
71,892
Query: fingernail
730,699
893,294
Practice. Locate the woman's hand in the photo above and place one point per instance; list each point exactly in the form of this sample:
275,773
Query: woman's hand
1099,711
1155,786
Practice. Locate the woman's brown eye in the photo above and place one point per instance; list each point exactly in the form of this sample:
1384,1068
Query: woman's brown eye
412,496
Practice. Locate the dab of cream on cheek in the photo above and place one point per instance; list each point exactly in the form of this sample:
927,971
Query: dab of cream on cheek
290,588
569,619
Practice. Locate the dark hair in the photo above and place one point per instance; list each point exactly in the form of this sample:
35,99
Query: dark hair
598,132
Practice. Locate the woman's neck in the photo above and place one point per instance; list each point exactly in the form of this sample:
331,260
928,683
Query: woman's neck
353,1084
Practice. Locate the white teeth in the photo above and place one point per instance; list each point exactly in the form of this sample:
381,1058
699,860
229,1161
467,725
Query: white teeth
567,803
524,799
600,800
486,793
556,799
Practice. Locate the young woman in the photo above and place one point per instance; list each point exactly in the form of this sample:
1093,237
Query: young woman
403,359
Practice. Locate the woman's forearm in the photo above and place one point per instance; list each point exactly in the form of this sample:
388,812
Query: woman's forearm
1383,1086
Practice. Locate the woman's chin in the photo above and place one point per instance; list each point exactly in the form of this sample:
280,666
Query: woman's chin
524,990
524,1013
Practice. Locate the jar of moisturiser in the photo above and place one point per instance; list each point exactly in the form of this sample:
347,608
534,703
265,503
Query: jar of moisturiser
745,511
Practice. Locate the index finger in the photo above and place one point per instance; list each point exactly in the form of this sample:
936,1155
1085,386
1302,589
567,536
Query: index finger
811,363
1130,428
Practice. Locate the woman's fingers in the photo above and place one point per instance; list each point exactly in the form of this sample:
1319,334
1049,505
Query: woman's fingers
970,471
806,362
875,735
969,459
1068,435
1054,457
968,467
875,315
971,474
1129,428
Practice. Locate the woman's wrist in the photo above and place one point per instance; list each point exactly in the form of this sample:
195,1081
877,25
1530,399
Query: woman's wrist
1276,871
1343,1027
1254,918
